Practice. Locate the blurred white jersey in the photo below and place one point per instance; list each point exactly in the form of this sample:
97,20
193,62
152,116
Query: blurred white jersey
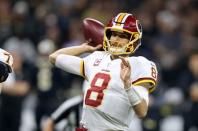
106,105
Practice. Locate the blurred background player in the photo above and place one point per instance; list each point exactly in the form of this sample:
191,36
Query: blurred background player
119,84
15,88
51,84
6,63
72,105
63,112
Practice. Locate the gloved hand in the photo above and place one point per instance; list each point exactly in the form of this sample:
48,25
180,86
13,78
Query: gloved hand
6,62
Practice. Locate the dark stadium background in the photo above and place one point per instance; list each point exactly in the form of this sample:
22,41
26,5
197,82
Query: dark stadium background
31,29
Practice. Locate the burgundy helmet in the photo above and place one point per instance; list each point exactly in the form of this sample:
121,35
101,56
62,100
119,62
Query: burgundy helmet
125,23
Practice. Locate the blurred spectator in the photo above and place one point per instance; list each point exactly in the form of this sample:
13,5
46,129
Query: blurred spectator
51,83
16,88
75,37
167,45
5,20
21,45
188,82
20,41
100,10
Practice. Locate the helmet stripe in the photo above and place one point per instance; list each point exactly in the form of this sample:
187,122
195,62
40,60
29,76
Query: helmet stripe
120,18
124,19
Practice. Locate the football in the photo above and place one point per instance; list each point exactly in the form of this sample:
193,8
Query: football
93,31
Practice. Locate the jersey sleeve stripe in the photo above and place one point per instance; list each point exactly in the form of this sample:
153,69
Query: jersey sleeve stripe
82,68
146,80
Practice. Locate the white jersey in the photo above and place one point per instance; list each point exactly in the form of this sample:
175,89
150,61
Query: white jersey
106,105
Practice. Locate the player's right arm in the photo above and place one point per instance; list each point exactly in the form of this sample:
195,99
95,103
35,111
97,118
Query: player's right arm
67,58
73,51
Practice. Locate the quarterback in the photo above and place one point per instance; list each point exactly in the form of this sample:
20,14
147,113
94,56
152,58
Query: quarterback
119,84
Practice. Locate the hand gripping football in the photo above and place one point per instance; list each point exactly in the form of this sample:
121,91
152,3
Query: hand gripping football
93,31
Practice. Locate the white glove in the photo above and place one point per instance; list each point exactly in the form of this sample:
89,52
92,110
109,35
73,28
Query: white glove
6,58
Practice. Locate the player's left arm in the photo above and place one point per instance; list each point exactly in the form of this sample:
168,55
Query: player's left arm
138,92
145,86
142,93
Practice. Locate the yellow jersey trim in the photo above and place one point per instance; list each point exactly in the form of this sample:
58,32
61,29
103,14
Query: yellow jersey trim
82,70
146,80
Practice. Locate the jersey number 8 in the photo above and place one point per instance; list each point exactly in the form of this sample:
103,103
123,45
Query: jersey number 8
95,94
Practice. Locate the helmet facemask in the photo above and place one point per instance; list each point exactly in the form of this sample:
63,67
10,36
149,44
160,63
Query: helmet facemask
118,48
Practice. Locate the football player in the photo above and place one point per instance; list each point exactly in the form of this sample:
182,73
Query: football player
6,62
63,111
73,104
119,84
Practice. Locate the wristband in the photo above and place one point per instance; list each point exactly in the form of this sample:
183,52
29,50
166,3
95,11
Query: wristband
134,97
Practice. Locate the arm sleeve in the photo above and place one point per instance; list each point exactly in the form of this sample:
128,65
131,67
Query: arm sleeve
145,71
71,64
142,92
